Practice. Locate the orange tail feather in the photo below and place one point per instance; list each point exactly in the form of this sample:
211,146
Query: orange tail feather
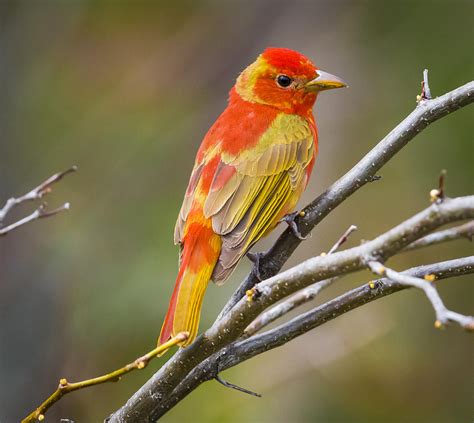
200,254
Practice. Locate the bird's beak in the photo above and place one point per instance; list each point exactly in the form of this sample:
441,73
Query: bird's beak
324,81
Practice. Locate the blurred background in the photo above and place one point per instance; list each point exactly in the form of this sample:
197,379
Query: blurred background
126,90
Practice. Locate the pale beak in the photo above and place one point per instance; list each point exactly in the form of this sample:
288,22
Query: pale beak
324,81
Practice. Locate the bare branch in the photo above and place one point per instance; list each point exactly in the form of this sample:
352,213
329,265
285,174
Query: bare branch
160,393
424,114
309,293
342,239
462,231
242,350
300,298
35,194
443,315
39,213
425,87
144,405
66,387
237,388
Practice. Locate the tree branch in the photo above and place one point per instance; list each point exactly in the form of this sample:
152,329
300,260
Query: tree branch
242,350
443,315
462,231
426,112
144,406
35,194
301,297
66,387
308,294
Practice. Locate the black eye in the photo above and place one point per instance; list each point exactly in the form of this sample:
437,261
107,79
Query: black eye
283,81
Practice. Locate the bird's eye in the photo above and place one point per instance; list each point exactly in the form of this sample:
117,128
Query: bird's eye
284,81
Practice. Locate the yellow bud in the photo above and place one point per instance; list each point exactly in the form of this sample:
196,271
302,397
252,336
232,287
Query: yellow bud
63,382
302,213
323,254
418,98
438,324
371,285
140,365
434,195
41,417
429,278
249,294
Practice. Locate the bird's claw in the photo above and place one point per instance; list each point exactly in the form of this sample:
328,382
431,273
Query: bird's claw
255,259
289,219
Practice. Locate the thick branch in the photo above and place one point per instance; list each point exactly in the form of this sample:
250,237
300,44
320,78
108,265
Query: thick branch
301,297
144,405
309,293
427,112
242,350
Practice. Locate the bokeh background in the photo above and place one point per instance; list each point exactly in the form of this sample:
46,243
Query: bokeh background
126,90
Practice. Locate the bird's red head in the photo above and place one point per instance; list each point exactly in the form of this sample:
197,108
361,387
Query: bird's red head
284,79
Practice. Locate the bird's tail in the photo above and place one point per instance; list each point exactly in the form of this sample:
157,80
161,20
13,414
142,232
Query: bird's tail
199,256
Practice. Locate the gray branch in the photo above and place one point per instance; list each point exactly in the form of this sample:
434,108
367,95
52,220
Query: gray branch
308,294
35,194
147,402
242,350
426,112
443,315
461,231
153,399
301,297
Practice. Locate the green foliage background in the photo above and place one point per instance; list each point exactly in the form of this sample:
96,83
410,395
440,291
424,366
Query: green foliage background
126,90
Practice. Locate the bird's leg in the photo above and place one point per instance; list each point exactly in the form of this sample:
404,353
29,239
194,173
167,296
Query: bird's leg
289,219
255,259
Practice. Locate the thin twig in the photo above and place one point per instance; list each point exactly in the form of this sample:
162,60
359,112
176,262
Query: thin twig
66,387
39,213
236,387
462,231
300,298
35,194
342,239
443,315
426,92
438,194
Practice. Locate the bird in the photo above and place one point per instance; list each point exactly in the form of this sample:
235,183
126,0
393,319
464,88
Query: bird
249,173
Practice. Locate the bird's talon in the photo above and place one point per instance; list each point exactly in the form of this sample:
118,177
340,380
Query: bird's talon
289,219
255,259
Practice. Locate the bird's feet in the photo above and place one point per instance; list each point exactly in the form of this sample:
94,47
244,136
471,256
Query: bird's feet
289,219
255,259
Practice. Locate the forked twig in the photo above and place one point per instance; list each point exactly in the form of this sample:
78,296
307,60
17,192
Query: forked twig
443,315
35,194
66,387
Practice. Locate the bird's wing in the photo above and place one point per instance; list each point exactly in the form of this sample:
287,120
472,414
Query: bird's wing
251,191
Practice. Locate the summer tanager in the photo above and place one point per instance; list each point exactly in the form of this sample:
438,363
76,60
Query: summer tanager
250,170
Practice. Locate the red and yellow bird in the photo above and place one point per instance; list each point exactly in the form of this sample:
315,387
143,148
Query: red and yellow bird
250,171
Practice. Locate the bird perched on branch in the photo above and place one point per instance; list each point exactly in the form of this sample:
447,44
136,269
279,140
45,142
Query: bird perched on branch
250,171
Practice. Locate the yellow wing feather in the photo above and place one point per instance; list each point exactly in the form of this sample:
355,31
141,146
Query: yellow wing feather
268,181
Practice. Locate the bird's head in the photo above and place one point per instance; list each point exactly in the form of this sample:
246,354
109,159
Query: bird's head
284,79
